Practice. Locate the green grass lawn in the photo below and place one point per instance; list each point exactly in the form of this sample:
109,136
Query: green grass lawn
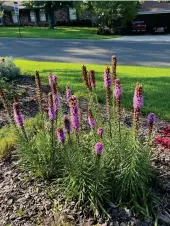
155,81
57,33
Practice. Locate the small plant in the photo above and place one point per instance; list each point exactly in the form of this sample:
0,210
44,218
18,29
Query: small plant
8,140
107,163
8,69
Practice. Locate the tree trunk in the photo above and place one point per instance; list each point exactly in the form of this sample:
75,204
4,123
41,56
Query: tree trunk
50,11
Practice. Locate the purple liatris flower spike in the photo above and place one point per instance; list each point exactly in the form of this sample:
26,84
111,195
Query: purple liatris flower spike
67,124
151,120
91,120
56,102
137,105
52,79
85,77
60,135
51,108
117,89
107,78
17,115
100,132
92,78
74,113
51,113
68,93
138,97
117,95
99,148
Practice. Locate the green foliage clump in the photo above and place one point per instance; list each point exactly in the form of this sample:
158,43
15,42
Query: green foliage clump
8,140
8,69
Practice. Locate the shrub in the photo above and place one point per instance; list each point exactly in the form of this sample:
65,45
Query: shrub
8,69
104,164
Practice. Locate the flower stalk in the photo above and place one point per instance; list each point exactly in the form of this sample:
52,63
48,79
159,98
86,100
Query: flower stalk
67,124
100,132
18,118
85,78
137,106
114,64
107,84
38,90
60,135
117,95
75,122
68,93
5,104
92,81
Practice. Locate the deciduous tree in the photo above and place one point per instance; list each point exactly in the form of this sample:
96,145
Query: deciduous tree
110,11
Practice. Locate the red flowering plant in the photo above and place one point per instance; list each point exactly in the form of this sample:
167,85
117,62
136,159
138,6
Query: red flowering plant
163,140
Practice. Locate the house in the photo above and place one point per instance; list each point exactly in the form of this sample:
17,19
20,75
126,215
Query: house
38,17
155,14
152,12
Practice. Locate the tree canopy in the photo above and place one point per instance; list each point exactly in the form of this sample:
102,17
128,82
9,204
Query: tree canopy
110,11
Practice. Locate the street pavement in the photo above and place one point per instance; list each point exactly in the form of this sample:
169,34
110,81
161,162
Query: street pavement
147,50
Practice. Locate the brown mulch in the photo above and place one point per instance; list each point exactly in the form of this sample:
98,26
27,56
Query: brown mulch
25,201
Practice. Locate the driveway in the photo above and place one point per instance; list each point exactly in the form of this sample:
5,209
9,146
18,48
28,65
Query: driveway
147,50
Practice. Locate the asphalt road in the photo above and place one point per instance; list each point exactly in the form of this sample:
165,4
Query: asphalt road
131,50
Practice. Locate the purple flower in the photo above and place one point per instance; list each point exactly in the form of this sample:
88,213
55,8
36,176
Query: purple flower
51,107
91,120
56,104
151,118
52,78
117,89
107,78
51,113
68,93
67,124
74,113
92,78
100,132
99,148
60,135
17,115
138,97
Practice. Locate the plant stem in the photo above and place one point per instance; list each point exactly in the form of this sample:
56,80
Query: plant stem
108,109
24,132
98,106
52,142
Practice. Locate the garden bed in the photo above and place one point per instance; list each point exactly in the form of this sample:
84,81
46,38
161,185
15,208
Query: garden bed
28,201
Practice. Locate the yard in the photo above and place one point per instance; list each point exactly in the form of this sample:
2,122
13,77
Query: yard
71,161
57,33
155,82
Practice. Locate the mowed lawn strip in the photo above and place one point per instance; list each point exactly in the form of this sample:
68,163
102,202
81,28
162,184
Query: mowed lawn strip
155,81
57,33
